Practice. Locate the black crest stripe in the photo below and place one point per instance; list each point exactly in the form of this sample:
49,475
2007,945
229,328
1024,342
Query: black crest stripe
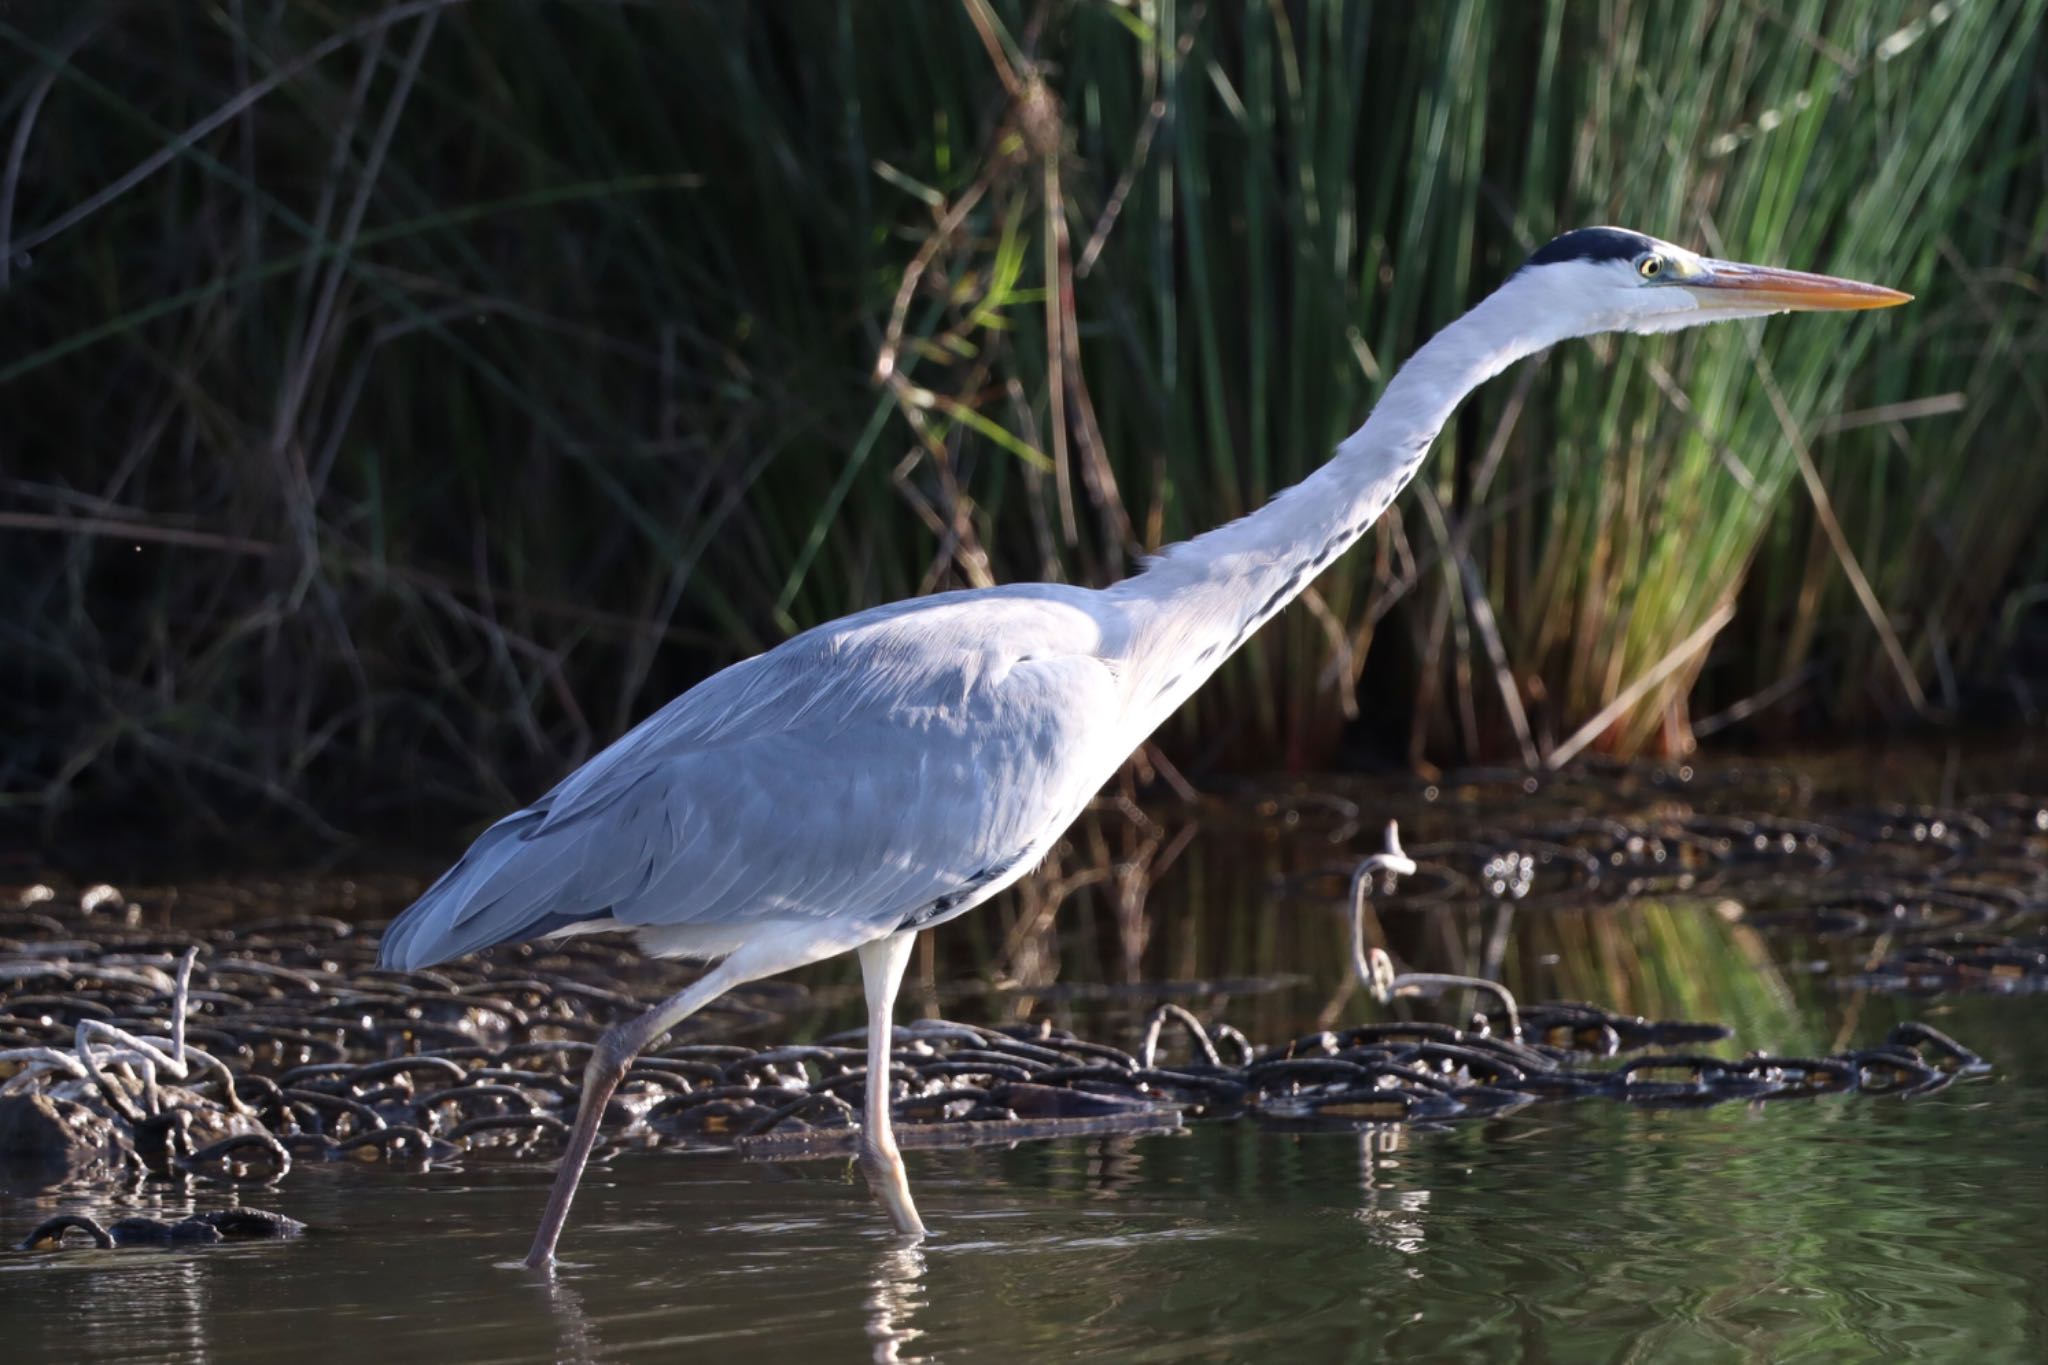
1593,244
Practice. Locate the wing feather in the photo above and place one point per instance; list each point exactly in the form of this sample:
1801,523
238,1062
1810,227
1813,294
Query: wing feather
858,772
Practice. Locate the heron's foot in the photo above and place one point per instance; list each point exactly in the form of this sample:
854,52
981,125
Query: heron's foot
891,1185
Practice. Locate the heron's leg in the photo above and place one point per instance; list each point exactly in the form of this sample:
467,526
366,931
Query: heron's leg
608,1064
881,968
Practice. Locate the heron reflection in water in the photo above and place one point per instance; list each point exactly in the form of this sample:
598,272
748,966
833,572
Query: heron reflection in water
886,772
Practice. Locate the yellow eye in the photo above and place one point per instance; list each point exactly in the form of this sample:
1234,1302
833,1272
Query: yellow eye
1650,267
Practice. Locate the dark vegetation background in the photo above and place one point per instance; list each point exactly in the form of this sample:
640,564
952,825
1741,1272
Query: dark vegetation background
398,401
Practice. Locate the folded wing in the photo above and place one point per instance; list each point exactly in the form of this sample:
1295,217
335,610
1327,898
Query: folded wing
873,772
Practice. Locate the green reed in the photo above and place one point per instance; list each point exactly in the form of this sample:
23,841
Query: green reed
423,419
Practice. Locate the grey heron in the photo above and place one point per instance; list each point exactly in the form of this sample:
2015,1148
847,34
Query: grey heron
886,772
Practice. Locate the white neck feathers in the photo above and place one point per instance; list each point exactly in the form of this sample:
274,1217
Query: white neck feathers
1198,601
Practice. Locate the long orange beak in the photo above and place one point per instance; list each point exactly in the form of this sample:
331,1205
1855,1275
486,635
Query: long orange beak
1735,285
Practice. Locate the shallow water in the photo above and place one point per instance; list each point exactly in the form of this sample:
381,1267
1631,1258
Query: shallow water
1847,1227
1841,1228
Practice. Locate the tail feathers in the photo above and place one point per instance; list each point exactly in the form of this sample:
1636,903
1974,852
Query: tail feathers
508,888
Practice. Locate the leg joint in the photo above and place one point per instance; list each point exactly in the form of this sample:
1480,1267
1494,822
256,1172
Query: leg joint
879,1144
614,1052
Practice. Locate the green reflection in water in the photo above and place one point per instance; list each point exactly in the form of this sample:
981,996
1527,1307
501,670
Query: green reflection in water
1842,1228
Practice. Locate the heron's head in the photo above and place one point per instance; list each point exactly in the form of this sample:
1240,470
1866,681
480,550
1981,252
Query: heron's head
1608,279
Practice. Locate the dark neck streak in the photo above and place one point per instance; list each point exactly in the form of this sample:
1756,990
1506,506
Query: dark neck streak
1201,600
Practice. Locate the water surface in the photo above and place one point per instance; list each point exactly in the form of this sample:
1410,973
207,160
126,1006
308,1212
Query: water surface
1840,1228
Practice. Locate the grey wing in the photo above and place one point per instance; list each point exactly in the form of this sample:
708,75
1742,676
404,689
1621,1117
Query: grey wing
880,772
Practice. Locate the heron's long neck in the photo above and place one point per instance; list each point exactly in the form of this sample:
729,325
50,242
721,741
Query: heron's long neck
1202,599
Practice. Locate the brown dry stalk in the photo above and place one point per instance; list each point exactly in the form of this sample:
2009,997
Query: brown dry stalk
1637,690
